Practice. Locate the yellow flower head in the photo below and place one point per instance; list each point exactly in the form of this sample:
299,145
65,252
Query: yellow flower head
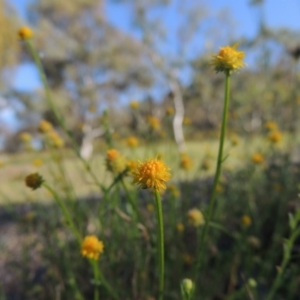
150,207
174,191
195,217
257,158
180,227
37,162
132,142
25,137
25,33
234,141
246,220
134,104
115,161
275,137
132,165
206,164
45,126
152,174
55,139
153,123
170,111
91,247
228,59
271,125
34,180
186,121
185,162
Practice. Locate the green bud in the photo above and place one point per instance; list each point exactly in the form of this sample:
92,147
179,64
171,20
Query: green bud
187,289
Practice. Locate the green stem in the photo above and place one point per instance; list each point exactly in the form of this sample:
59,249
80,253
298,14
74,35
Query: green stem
61,122
286,259
160,244
65,212
216,179
96,279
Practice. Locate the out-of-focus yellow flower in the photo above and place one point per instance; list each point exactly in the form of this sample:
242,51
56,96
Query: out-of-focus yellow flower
275,137
34,181
132,142
185,162
134,104
195,217
153,123
131,165
115,161
37,162
152,174
228,59
55,139
45,126
234,141
1,163
206,165
150,207
254,241
219,188
180,227
270,125
246,220
170,111
25,137
174,191
187,121
25,33
91,247
257,158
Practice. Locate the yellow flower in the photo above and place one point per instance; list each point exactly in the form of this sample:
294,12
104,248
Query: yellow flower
25,137
275,137
246,220
134,104
45,126
150,207
34,180
132,142
91,247
206,164
153,122
170,111
187,258
186,121
228,59
271,125
234,141
25,33
55,139
37,162
195,217
180,227
257,158
115,161
219,188
185,162
152,174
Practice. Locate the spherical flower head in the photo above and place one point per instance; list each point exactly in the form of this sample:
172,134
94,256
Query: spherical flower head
45,126
132,142
257,158
228,59
196,217
246,221
37,162
34,180
275,137
91,247
115,161
55,139
170,111
134,104
270,125
186,121
153,123
152,174
185,162
25,33
25,137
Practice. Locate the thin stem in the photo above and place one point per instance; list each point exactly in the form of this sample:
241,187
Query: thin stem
216,179
96,279
60,120
65,212
160,240
286,259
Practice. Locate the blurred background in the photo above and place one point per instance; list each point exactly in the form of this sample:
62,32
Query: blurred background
105,54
